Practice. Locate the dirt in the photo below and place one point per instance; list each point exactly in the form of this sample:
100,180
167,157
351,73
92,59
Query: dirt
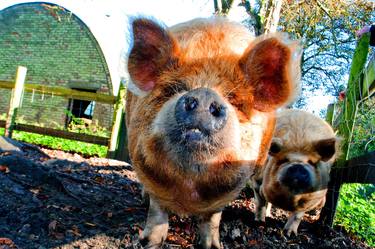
54,199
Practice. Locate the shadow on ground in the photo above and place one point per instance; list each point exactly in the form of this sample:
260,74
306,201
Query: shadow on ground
96,203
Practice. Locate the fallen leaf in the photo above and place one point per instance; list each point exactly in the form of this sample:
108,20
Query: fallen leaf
236,233
6,241
4,169
99,179
52,226
252,242
177,239
90,224
59,236
75,231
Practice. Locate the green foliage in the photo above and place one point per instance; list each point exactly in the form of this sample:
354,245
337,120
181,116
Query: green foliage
327,31
86,126
356,211
85,149
364,130
356,208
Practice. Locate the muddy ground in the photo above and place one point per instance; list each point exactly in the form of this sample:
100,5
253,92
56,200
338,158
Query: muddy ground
54,199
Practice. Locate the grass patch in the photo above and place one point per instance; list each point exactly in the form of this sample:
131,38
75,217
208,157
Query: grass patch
56,143
356,211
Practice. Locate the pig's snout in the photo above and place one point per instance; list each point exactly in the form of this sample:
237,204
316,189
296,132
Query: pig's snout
297,177
200,112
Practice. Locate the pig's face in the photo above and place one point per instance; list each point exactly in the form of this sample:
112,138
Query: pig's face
197,121
205,89
302,173
301,153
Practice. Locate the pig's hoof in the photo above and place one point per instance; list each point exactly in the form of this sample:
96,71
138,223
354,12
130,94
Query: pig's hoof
260,219
213,246
147,244
288,232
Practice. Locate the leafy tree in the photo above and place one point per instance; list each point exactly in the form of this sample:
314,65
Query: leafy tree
326,29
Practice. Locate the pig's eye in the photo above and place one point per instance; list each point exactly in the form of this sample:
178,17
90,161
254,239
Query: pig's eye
282,161
173,88
275,148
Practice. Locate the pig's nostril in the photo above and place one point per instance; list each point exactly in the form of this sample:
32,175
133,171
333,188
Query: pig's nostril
190,103
217,110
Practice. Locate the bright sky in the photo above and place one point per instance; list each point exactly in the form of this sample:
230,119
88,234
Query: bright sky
107,20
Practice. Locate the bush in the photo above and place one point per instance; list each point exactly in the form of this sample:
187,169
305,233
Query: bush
356,211
85,149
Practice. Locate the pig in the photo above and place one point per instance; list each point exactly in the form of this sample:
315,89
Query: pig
296,174
200,115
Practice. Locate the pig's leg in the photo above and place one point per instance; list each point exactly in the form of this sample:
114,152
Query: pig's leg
261,205
156,228
209,231
293,223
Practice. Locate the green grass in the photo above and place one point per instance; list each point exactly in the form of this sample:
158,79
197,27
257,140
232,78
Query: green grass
356,211
85,149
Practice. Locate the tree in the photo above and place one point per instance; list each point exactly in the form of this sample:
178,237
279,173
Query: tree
263,15
326,29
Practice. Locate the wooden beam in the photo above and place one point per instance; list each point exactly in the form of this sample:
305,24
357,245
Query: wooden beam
64,92
349,110
15,100
368,83
330,116
62,134
116,123
357,170
346,124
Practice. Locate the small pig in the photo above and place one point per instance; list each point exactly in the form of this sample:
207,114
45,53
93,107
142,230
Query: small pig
296,174
200,115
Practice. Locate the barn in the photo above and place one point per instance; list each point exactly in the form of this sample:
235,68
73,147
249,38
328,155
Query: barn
58,49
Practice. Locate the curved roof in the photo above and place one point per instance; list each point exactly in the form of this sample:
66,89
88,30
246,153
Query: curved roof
55,46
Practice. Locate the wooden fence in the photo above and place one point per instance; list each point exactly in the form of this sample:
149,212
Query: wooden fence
361,86
117,148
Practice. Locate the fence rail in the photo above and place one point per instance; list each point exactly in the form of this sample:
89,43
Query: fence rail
59,133
63,92
361,85
116,147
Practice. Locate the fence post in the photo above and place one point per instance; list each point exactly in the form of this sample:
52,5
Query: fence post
15,100
346,125
118,119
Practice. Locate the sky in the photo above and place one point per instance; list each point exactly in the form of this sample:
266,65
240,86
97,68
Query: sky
107,20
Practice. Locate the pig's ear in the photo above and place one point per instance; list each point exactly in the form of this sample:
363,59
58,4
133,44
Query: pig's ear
271,66
326,148
152,50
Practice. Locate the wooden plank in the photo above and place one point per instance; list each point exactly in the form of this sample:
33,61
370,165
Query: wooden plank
62,134
356,170
350,106
330,114
117,116
64,92
368,84
15,100
346,125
